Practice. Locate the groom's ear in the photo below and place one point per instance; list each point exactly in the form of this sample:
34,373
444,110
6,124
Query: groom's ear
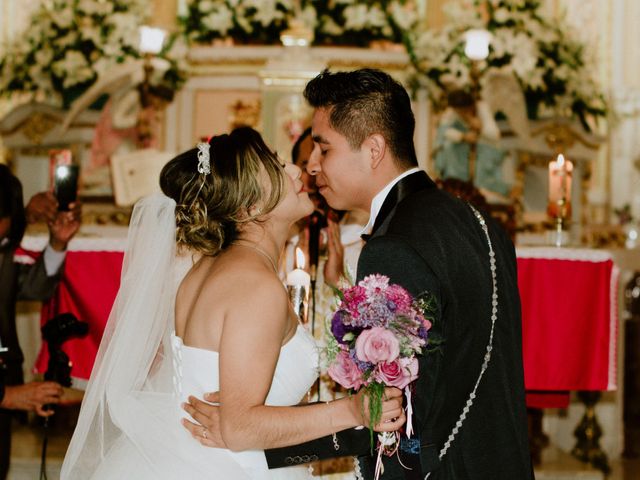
377,146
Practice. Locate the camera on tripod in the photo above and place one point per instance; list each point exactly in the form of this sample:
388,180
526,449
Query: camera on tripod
55,332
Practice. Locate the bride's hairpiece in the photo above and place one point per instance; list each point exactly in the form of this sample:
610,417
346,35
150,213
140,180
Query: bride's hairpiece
204,158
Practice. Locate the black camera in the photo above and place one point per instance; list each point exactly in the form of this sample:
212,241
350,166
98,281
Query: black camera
55,332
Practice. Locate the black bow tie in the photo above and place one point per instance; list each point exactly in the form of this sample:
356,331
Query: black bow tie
365,237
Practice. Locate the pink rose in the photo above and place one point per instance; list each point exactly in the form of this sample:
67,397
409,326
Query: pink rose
377,345
399,373
345,371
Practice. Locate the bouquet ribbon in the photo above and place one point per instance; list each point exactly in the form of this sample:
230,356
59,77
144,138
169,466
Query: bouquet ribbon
409,410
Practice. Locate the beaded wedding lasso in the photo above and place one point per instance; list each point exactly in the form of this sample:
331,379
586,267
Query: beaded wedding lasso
487,355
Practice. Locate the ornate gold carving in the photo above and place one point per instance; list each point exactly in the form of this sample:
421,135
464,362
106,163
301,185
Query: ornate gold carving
561,137
37,126
244,113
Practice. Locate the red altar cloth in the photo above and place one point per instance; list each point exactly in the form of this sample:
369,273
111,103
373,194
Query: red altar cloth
569,322
569,313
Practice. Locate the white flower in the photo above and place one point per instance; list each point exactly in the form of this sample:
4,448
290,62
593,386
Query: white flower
501,15
220,20
376,17
267,13
91,33
330,27
205,6
95,7
404,16
63,17
73,60
112,48
356,16
69,39
44,56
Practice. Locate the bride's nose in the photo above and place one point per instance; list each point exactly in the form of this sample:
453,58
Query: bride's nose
293,171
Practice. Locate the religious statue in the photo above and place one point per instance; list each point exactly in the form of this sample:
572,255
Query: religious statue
467,144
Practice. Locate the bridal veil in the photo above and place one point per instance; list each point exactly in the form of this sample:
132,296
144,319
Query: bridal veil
131,399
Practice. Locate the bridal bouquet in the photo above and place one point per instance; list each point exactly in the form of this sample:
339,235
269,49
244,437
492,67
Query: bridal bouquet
376,333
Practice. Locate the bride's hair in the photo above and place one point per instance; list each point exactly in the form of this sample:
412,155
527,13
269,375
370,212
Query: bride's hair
210,208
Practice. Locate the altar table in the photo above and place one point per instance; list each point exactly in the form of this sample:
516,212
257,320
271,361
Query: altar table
568,296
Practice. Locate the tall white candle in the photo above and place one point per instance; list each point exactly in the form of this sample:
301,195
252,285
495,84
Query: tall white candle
297,276
560,179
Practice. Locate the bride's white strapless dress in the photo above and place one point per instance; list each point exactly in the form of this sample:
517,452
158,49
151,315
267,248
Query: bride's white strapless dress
163,449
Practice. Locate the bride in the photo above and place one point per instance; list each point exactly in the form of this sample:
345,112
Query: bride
201,308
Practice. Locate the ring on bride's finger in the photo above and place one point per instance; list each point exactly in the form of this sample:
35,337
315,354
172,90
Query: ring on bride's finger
204,433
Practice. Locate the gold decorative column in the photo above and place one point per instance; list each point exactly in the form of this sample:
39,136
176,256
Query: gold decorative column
165,14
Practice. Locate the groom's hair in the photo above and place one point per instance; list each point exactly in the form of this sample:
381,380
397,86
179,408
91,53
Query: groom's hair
364,102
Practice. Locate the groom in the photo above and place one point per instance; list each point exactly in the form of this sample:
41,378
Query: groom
427,241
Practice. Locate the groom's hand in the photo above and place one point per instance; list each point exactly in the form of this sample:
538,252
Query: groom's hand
207,415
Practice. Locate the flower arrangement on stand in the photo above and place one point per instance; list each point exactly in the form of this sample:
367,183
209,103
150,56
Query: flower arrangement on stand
552,66
376,334
347,22
71,43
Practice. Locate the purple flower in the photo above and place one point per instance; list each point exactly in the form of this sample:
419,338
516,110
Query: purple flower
340,325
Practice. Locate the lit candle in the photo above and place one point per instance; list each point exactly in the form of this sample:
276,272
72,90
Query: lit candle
297,276
560,172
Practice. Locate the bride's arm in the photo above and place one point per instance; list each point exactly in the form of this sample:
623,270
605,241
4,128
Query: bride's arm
252,336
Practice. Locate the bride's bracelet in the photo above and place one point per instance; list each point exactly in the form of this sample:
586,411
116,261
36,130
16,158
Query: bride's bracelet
336,445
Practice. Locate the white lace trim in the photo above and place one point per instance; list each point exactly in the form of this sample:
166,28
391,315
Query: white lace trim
555,253
106,239
612,383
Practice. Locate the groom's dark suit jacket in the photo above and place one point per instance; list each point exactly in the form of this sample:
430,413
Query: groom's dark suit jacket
428,241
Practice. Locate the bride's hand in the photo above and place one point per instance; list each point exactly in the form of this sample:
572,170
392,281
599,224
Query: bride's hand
207,416
392,417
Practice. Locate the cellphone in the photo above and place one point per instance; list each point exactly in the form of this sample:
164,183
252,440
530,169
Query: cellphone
65,186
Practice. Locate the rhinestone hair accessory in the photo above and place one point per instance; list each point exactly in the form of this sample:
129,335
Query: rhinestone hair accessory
204,158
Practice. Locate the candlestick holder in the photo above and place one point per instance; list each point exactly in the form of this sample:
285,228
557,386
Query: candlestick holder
559,236
299,297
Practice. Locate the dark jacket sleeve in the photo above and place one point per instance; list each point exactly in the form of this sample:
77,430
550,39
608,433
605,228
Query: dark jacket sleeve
351,442
34,283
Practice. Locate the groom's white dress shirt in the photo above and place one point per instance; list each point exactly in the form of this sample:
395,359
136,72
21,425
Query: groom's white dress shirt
378,200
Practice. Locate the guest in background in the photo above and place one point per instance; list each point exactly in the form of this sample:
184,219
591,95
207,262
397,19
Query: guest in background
26,282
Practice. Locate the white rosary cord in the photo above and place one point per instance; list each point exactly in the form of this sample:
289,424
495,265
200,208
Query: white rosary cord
487,355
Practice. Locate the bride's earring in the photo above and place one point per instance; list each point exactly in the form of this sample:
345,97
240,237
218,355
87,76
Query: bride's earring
255,211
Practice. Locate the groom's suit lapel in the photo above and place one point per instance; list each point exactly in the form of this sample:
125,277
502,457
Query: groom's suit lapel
401,190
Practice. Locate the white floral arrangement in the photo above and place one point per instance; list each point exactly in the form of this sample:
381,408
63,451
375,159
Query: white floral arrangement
552,66
71,43
334,22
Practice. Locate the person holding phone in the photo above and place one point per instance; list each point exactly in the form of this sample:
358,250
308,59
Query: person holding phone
26,282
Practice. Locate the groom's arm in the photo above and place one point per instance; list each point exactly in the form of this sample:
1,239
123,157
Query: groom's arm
393,257
349,442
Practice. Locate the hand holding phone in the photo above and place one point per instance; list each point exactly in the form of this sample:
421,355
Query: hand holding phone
65,185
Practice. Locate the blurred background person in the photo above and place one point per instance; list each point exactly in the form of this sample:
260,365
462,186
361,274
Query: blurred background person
339,241
336,235
26,282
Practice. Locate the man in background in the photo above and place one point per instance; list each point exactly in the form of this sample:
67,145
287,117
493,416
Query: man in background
26,282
